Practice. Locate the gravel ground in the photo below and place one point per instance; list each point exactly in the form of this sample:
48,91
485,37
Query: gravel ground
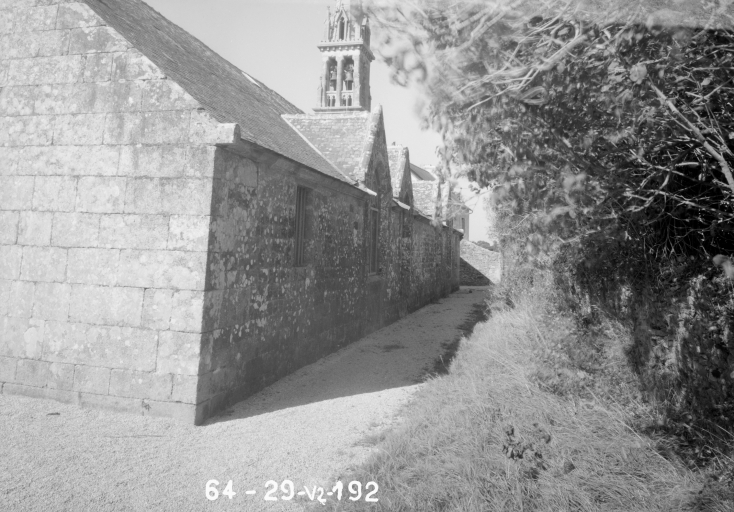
310,428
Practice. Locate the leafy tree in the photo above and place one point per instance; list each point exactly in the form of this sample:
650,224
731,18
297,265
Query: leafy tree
591,124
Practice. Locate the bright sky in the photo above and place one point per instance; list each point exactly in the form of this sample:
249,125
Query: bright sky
275,42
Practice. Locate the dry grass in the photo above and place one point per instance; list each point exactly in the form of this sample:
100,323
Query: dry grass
515,427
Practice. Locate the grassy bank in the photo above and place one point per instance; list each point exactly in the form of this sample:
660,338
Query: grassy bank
534,414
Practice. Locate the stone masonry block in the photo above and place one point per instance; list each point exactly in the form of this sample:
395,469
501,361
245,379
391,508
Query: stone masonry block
200,161
112,347
69,161
134,231
123,129
7,369
98,67
43,374
79,129
91,379
143,195
20,303
18,101
187,197
4,71
132,65
184,388
100,195
46,264
133,384
142,268
75,230
35,228
77,15
187,311
93,266
9,161
97,40
16,4
22,45
10,260
16,192
51,301
26,130
157,306
103,305
9,227
112,403
185,413
153,161
58,395
189,232
118,96
21,337
5,296
86,98
54,194
61,99
178,353
167,95
162,269
7,22
38,18
166,127
64,69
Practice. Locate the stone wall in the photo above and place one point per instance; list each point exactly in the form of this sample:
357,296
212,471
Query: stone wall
105,197
146,252
479,266
263,317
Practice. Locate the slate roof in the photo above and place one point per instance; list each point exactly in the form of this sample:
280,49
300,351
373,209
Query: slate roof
218,85
339,136
422,173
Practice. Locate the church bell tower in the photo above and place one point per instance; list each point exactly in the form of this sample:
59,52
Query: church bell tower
345,78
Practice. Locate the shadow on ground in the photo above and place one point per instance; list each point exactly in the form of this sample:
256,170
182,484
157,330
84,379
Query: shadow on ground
400,355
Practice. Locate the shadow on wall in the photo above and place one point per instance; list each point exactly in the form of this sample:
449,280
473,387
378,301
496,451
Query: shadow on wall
402,356
470,276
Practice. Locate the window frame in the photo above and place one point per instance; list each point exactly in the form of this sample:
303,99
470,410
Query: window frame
299,238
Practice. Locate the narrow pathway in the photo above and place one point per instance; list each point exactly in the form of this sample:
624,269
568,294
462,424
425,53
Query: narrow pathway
308,428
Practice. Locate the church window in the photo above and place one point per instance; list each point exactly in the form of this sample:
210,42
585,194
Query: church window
332,75
341,29
300,227
348,74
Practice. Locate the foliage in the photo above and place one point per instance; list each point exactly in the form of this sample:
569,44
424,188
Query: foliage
531,416
589,125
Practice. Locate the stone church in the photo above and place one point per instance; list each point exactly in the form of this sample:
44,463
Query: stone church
174,235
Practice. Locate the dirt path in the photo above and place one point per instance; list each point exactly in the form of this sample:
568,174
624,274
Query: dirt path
308,428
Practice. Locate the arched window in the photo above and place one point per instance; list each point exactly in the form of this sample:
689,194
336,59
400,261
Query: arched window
341,29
